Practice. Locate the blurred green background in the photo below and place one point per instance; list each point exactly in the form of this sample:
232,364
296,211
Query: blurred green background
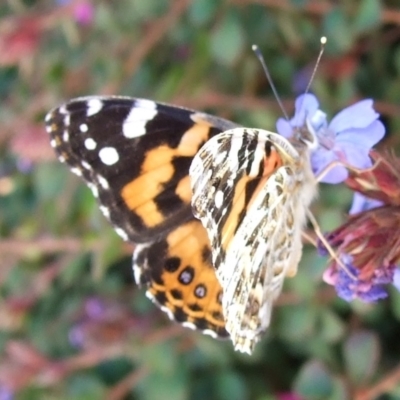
73,325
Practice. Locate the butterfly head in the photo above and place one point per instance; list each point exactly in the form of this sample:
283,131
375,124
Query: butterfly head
306,136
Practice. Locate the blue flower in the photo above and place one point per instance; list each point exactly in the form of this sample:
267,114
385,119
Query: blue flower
396,279
363,203
5,393
348,288
349,137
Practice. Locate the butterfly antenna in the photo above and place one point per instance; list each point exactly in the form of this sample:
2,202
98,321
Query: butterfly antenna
260,57
321,51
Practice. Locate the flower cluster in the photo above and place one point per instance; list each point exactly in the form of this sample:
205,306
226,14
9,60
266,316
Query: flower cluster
370,239
368,244
348,138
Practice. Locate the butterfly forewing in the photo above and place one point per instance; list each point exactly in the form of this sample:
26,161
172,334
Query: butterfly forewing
135,155
248,192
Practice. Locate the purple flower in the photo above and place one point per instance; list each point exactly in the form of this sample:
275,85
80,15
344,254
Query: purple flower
350,288
5,393
396,279
94,308
363,203
84,13
76,336
347,138
83,10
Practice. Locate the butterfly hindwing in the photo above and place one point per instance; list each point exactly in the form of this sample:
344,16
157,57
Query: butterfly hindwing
181,279
135,155
247,193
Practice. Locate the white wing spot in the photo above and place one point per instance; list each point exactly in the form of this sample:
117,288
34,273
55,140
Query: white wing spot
121,233
149,296
145,104
108,155
86,165
94,106
167,311
210,333
48,117
53,143
63,109
49,128
135,123
76,171
219,199
103,182
66,136
94,189
67,119
83,127
189,325
90,144
137,273
105,211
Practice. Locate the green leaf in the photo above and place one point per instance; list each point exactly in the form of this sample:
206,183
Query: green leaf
332,328
168,385
336,28
297,322
361,354
395,301
368,16
85,386
231,386
314,382
149,8
227,41
201,11
48,180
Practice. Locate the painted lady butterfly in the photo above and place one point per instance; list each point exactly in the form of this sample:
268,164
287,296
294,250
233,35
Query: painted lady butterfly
251,191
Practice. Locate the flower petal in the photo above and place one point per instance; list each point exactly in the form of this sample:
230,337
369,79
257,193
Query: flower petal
396,279
284,128
357,157
349,288
363,203
320,159
305,107
358,115
362,137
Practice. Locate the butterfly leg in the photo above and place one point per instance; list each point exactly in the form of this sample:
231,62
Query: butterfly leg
328,247
339,163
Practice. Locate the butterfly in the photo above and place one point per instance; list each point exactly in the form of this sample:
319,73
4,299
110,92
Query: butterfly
215,210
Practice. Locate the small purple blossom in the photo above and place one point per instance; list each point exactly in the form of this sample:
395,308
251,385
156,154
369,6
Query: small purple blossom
76,336
84,13
363,203
348,137
6,393
348,288
396,279
83,10
94,308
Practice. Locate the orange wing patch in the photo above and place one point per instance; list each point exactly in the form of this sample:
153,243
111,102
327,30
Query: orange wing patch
158,176
245,192
184,281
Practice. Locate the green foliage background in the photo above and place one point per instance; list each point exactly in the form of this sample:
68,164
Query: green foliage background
73,325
